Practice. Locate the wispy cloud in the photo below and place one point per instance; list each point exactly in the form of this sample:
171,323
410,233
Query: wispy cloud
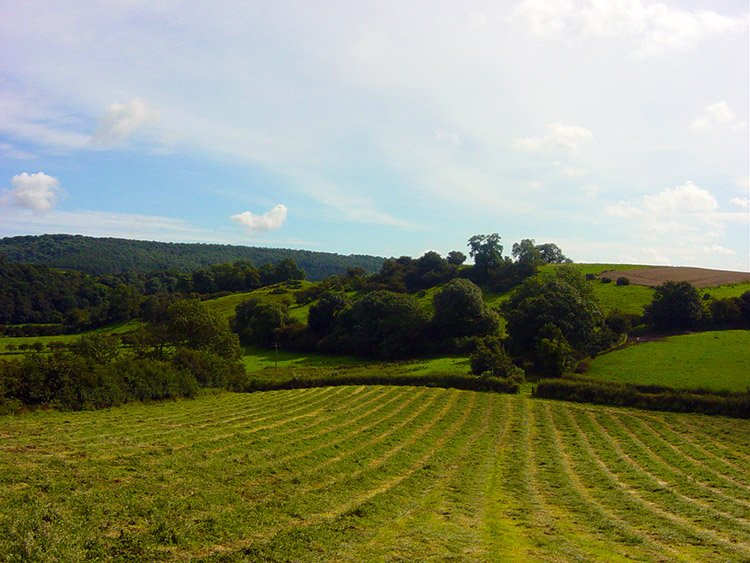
653,28
570,138
124,119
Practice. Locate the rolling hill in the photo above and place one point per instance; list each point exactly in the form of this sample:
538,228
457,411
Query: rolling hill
97,256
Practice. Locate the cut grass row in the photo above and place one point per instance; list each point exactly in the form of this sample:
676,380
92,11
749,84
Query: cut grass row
370,474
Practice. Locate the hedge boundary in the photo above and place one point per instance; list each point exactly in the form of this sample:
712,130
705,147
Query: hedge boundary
646,397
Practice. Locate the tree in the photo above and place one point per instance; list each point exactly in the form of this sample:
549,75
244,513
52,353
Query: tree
553,320
675,306
191,324
486,251
322,317
382,324
456,258
526,252
551,254
460,310
259,321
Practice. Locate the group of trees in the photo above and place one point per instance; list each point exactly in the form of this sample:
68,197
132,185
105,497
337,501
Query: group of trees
189,348
680,306
502,273
381,323
40,294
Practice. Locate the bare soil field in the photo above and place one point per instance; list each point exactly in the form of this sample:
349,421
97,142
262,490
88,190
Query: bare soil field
699,277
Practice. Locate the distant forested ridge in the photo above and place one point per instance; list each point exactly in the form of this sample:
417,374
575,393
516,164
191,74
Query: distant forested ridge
98,256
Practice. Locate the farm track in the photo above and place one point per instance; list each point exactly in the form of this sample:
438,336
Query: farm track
374,474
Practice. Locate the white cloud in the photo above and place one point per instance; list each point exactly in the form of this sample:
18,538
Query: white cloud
590,190
569,138
122,120
715,116
269,221
742,202
571,171
687,198
653,28
682,223
33,191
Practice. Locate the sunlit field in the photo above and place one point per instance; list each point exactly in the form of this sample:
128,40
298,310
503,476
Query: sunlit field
373,474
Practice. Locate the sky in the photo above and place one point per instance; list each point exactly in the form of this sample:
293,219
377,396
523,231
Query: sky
617,129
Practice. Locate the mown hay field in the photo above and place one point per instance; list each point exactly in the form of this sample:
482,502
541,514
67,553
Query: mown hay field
373,474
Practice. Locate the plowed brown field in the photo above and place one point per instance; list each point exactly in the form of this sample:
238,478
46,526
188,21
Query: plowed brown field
699,277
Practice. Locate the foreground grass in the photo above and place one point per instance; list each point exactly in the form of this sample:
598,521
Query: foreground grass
716,360
373,474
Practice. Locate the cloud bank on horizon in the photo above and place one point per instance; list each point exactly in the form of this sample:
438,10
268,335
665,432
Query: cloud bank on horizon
617,129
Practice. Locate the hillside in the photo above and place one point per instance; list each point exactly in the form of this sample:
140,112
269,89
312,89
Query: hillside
97,256
699,277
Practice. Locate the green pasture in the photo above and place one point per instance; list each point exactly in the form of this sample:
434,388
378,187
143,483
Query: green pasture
711,360
726,291
626,298
116,328
356,473
226,305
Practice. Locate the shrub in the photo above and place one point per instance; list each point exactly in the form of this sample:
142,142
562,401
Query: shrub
209,369
489,359
622,280
605,279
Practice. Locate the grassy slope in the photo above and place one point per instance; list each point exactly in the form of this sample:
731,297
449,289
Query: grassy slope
225,306
373,474
713,360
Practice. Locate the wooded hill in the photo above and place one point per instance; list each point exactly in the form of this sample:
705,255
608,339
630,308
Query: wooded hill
97,256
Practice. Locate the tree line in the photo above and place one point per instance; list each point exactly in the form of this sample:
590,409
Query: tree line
100,256
72,300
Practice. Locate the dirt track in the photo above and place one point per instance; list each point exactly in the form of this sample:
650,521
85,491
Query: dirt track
699,277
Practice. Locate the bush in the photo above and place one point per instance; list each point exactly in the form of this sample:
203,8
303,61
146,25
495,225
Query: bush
489,359
622,280
605,279
209,369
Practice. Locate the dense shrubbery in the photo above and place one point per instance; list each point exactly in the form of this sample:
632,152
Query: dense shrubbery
190,348
489,359
647,397
68,381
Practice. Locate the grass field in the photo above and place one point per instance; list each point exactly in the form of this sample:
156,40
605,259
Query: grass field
373,474
226,305
711,360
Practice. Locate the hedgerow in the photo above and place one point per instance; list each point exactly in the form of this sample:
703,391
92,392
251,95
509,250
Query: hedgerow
648,397
373,377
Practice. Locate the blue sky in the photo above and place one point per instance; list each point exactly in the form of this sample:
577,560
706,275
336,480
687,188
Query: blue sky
617,129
